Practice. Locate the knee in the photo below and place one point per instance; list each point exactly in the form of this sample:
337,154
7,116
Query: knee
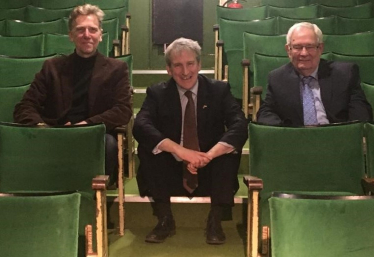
110,144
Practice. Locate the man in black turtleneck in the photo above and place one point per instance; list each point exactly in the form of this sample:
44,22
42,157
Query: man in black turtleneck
82,88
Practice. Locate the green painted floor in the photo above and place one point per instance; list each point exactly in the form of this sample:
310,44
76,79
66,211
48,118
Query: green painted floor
186,243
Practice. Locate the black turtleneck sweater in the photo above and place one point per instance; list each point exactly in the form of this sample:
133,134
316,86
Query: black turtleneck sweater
83,68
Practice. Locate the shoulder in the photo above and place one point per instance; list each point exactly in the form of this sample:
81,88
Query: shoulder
58,60
212,84
282,70
111,62
336,68
336,64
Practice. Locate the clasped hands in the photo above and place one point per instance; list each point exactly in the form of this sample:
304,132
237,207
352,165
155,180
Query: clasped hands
79,123
195,159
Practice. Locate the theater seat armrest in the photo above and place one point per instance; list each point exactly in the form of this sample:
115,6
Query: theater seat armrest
257,90
100,182
253,183
121,129
368,185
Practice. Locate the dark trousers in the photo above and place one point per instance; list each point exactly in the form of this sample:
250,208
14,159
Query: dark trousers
160,176
111,157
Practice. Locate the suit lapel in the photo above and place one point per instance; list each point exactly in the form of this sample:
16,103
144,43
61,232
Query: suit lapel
202,105
325,83
294,84
173,104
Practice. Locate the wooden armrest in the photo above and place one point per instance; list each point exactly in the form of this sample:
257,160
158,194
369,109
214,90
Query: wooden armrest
253,183
121,129
220,43
100,182
124,28
116,42
256,90
245,62
368,185
215,27
128,16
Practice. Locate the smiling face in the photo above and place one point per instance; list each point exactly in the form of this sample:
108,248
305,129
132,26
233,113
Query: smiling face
86,35
184,68
304,51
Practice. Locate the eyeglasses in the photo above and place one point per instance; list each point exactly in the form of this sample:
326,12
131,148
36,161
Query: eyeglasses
308,48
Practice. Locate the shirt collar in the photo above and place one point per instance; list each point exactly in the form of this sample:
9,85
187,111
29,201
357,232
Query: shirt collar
314,74
193,89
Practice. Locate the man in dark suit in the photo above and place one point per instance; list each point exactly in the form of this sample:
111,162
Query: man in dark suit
84,87
310,90
159,129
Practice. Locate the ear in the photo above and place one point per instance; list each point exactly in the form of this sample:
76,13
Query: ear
321,47
71,36
287,48
101,35
168,70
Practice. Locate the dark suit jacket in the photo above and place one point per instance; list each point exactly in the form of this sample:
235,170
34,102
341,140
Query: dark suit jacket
50,95
161,117
341,95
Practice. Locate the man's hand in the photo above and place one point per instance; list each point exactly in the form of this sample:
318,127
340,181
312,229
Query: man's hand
79,123
193,158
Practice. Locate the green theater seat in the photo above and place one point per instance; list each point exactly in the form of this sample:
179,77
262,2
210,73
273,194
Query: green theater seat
231,33
13,14
353,44
243,14
35,226
9,97
335,3
38,14
326,24
304,159
358,11
285,3
56,4
267,45
19,71
369,93
36,159
327,226
302,12
104,4
21,28
26,46
365,63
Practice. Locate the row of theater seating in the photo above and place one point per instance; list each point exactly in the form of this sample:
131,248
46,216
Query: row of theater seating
27,16
32,20
315,160
37,14
298,3
56,4
238,40
306,12
244,45
324,159
48,44
332,25
16,76
47,160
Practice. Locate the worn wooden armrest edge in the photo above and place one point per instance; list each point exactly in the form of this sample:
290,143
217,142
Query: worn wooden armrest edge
368,185
253,183
100,182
